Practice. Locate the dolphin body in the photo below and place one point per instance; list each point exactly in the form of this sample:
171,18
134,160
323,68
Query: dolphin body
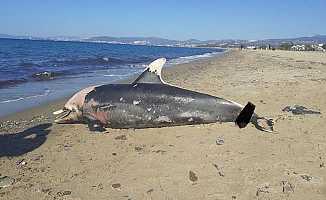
149,102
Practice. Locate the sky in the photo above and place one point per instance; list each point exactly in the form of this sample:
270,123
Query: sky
172,19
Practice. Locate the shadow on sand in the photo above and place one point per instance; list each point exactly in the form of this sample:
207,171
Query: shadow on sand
23,142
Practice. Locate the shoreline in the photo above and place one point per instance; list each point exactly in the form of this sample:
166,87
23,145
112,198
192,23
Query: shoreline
57,161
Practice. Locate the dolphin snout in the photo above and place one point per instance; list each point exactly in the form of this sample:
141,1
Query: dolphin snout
66,116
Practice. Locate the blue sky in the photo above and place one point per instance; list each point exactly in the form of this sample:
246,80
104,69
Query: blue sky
173,19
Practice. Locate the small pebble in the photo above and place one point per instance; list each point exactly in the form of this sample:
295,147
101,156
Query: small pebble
219,170
192,176
66,192
116,185
21,162
306,177
121,137
262,189
150,190
138,148
6,181
287,187
219,141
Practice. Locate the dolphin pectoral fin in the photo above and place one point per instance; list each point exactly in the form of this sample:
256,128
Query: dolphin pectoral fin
95,126
245,115
152,73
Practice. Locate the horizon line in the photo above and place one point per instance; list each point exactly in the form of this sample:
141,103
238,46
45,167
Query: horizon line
87,37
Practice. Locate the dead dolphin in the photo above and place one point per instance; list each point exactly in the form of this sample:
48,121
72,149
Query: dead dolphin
149,102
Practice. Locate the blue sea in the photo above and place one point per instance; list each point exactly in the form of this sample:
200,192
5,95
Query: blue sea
33,72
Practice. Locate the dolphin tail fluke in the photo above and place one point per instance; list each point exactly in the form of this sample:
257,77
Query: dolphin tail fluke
245,115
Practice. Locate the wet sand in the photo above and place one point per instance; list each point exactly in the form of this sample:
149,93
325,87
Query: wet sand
214,161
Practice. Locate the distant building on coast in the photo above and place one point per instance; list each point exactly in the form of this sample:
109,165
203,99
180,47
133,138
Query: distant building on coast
298,47
319,47
308,47
252,47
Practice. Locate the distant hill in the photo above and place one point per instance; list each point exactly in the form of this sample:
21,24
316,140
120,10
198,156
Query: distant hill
134,40
5,36
19,37
298,40
64,38
167,42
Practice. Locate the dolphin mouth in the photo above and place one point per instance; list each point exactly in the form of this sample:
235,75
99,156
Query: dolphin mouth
63,116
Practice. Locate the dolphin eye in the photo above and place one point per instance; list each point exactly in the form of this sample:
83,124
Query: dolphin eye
75,109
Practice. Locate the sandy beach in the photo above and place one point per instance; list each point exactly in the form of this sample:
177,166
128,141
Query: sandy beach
42,160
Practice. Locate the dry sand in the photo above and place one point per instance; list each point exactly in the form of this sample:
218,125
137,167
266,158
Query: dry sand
53,161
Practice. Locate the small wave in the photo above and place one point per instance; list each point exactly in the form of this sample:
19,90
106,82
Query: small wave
12,100
47,92
187,59
11,83
89,61
29,64
137,65
114,75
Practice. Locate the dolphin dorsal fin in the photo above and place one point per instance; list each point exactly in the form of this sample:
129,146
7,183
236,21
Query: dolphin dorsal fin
152,73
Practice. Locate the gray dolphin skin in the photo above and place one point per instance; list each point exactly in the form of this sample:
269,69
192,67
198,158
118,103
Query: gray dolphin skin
149,102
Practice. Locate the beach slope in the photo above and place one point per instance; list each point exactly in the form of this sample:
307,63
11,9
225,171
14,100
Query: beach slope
41,160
